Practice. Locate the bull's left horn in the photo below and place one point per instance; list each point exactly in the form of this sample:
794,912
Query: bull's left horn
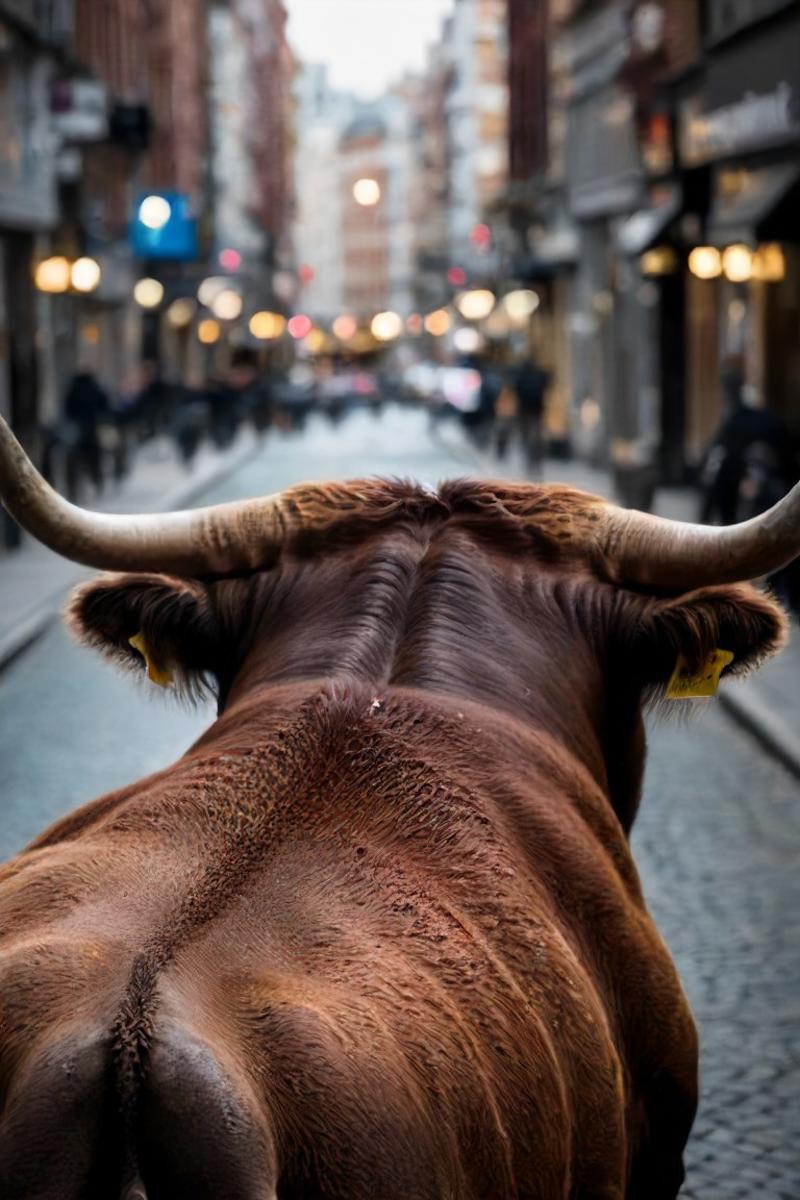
653,552
203,541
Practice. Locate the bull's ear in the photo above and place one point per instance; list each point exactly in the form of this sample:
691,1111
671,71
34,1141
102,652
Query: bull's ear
155,623
687,629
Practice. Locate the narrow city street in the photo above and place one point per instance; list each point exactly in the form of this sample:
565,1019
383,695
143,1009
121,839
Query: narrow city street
717,839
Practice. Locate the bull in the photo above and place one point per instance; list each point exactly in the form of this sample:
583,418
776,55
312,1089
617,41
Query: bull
379,933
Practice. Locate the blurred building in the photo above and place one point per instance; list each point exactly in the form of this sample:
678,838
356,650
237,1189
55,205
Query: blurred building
737,126
273,124
430,185
474,52
654,188
102,106
30,44
321,117
364,153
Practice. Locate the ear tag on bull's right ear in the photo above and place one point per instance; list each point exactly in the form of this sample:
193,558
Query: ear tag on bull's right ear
162,676
686,685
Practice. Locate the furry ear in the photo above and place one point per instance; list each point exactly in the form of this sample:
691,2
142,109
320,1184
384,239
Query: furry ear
737,618
173,616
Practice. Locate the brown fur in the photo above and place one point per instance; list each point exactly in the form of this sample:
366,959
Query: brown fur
379,933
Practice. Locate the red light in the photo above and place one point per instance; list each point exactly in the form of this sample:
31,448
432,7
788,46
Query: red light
481,236
230,259
457,276
300,325
306,273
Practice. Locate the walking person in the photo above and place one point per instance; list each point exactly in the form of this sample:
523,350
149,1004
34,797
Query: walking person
86,405
530,385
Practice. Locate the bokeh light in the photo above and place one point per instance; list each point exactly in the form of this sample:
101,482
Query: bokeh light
53,274
367,192
300,326
227,305
521,304
85,274
208,331
344,327
475,305
229,259
148,293
155,211
267,325
705,262
180,312
438,322
386,326
737,263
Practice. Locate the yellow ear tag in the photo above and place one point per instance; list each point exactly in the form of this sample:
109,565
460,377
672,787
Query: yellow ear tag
159,675
685,685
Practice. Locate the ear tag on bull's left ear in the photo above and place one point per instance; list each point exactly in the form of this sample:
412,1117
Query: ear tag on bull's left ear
157,674
686,685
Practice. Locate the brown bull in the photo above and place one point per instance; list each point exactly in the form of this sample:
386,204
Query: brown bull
378,935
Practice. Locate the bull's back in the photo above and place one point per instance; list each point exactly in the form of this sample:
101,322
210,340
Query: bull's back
339,947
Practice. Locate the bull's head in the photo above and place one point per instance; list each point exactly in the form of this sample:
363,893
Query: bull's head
546,601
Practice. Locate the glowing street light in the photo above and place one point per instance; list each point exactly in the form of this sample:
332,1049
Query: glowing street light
210,288
705,262
85,274
300,326
154,212
208,331
344,327
148,293
366,192
53,274
521,304
227,305
267,325
467,340
737,263
769,263
438,322
230,259
180,312
386,326
475,305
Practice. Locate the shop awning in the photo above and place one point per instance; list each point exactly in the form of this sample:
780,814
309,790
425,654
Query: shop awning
649,225
750,205
558,247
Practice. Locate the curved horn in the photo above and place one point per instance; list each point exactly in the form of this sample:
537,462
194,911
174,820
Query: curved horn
673,555
203,541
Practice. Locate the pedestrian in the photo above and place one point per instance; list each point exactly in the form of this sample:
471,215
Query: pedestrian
480,422
747,422
86,406
530,384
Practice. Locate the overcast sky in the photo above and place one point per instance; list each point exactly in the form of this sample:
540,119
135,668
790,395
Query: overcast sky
367,43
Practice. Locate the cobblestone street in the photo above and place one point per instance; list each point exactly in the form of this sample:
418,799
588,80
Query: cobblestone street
717,842
717,839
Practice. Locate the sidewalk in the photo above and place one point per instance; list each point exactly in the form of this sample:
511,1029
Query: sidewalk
767,703
33,580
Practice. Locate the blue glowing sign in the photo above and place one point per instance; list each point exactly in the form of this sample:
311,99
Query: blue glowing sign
163,227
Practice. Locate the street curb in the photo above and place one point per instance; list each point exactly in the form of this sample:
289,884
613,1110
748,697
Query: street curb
19,639
743,706
764,724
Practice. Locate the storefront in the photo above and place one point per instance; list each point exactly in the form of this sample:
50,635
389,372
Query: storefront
28,209
742,129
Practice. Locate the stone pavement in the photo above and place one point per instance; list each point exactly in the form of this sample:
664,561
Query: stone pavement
33,579
768,701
